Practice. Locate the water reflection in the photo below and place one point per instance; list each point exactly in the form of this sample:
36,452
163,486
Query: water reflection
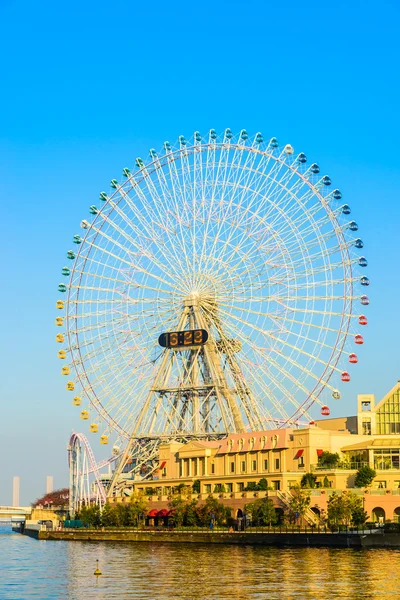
50,570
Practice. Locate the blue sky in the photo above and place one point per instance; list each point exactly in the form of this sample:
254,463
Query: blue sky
87,87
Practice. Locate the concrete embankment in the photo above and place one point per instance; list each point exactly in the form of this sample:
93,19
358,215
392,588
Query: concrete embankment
333,540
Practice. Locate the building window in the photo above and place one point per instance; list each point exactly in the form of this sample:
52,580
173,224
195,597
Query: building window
301,462
366,427
379,485
207,488
277,464
212,468
232,467
276,485
243,466
240,487
265,465
229,487
254,465
396,485
180,468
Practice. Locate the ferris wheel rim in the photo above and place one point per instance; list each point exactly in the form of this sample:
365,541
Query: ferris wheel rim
344,250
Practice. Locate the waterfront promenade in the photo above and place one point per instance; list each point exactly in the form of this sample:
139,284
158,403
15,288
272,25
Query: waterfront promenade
301,537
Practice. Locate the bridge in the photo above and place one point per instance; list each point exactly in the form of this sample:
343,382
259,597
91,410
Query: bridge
14,514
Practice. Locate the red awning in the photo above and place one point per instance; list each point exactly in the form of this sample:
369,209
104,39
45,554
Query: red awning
162,465
163,512
319,452
299,453
171,512
153,513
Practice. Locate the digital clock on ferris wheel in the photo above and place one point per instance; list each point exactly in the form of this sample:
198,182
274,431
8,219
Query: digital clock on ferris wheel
183,339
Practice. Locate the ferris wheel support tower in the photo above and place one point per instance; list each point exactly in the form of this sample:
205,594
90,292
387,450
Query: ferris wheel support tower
203,385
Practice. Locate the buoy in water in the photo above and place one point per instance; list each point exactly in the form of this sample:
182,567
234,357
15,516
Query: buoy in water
97,571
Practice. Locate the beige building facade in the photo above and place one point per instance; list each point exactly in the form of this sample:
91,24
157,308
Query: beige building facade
225,468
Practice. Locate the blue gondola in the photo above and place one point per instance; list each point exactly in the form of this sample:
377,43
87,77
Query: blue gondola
363,261
337,194
182,140
353,226
197,136
93,210
273,142
213,134
364,281
346,209
77,239
302,158
244,135
259,138
326,180
103,197
139,162
152,153
65,271
62,288
167,146
314,168
359,243
228,134
126,172
71,255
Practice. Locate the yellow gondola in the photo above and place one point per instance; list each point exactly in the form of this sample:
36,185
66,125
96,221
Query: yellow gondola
84,415
60,304
93,428
77,401
59,321
70,386
65,371
62,354
104,439
59,338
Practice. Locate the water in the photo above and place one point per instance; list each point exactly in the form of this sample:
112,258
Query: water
43,570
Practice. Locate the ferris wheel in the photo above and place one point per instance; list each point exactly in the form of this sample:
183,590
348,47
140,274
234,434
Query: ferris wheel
216,288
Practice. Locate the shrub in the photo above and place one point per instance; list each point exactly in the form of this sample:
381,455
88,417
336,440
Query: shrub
308,480
364,476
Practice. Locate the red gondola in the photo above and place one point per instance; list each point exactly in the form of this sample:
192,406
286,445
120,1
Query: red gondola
325,412
312,422
345,376
362,320
353,359
359,339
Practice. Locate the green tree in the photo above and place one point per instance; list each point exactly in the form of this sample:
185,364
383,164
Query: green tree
263,484
213,509
178,504
219,488
364,476
89,515
299,502
137,507
262,512
326,483
308,480
252,486
108,516
346,509
328,459
196,486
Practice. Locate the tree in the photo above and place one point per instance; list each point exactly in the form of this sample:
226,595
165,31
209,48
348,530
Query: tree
57,498
308,480
263,484
213,510
178,504
137,507
262,512
89,515
108,516
252,486
364,476
219,488
299,502
196,486
346,509
326,483
328,459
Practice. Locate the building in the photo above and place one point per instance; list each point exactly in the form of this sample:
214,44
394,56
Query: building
225,468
